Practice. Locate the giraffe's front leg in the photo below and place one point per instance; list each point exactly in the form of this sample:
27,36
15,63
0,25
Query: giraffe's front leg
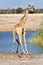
13,41
25,42
20,37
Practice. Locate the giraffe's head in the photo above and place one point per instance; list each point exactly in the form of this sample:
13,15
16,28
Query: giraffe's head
29,8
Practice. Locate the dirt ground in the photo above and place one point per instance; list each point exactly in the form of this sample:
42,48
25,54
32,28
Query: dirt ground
7,21
21,59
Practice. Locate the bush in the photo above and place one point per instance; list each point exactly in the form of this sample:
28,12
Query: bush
37,38
19,10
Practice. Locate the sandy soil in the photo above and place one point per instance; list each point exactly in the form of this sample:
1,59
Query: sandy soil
21,59
7,21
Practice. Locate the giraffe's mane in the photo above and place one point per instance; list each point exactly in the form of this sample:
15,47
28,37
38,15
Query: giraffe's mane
22,17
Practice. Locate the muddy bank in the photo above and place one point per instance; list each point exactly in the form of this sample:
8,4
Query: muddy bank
21,57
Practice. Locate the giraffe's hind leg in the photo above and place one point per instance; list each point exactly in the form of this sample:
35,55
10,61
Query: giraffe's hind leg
25,42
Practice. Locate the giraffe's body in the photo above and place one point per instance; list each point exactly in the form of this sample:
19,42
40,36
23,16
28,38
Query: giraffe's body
19,29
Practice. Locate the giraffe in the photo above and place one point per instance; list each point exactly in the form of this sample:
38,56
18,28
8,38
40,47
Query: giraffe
20,30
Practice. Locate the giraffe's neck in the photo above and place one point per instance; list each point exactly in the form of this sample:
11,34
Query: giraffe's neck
26,15
24,18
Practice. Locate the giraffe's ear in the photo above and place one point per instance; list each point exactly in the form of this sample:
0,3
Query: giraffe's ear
28,7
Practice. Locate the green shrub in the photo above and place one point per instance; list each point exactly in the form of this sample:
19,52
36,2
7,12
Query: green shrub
19,10
37,38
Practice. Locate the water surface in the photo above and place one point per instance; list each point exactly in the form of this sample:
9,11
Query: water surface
6,41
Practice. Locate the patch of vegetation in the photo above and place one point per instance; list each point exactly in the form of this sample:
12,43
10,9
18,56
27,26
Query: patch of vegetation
32,9
19,10
37,38
41,23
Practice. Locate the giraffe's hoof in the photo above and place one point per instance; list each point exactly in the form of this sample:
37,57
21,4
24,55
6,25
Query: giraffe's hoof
12,51
24,52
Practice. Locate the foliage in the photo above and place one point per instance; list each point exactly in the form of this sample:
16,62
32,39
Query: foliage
10,11
39,10
7,11
19,10
37,38
41,23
